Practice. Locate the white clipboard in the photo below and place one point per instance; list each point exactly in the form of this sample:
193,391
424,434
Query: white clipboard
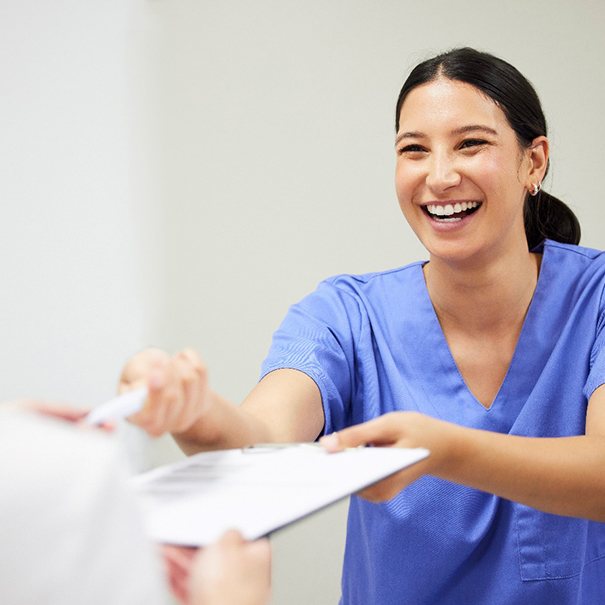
256,490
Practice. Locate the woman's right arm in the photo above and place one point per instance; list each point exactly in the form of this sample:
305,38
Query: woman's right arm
284,406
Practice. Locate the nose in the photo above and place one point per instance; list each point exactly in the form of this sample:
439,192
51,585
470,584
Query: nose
442,173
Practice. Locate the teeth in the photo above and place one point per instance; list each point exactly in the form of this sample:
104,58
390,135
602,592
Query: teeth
449,209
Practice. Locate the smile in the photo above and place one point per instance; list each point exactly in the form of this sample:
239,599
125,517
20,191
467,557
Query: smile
449,213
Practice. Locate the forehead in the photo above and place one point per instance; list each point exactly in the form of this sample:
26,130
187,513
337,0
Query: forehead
445,103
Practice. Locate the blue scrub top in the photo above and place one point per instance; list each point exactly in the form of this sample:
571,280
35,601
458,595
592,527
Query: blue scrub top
373,344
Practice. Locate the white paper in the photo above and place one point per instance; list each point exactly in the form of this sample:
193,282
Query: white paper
258,490
119,407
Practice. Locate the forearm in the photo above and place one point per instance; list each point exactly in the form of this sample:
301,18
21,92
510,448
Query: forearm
284,406
564,476
227,426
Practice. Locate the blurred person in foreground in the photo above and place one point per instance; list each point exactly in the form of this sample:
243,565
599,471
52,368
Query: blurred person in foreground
71,531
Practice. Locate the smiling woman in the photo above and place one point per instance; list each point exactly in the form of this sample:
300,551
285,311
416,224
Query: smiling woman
491,354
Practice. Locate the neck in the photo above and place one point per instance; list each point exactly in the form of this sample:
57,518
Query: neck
486,296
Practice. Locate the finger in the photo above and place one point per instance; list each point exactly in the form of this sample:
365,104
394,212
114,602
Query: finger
151,418
60,411
258,550
178,582
178,562
186,409
180,556
137,369
68,414
200,378
172,398
231,538
192,356
261,551
108,426
385,430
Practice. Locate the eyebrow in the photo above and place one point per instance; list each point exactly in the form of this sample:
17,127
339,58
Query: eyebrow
414,134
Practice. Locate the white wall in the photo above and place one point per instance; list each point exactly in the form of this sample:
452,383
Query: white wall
79,237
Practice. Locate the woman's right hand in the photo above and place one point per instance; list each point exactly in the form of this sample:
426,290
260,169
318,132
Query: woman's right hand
177,386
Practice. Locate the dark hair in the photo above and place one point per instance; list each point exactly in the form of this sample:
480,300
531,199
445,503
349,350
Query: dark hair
545,216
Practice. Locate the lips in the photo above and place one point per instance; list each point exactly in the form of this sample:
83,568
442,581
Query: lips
451,212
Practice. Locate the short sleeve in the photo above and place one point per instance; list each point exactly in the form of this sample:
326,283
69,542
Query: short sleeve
596,376
317,337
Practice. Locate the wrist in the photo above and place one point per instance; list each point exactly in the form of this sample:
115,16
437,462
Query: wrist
451,450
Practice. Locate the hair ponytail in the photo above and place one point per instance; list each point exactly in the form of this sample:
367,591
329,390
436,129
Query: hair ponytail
545,216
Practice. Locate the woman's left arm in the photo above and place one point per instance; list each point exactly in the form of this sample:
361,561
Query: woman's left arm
561,475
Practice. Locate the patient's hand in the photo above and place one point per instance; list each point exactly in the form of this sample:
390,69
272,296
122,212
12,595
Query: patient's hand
178,562
231,572
61,411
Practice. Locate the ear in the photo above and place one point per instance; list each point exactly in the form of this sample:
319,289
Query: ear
537,155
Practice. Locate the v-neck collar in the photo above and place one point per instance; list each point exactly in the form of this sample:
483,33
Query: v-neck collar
520,375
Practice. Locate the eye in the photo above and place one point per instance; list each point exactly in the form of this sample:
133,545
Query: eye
411,149
470,143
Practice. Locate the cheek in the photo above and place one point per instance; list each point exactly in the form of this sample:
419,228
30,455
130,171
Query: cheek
407,181
406,184
495,174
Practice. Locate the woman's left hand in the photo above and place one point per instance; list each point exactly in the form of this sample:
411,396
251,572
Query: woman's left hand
400,429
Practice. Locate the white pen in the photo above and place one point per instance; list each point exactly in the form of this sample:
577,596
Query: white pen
119,407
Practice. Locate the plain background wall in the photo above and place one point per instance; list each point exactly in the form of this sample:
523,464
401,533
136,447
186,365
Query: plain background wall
79,221
178,172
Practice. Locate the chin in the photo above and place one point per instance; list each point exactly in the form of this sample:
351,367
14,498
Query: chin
460,251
